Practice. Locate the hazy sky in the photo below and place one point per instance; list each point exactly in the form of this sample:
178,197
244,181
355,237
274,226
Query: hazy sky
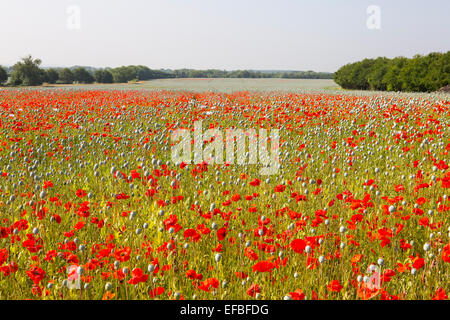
224,34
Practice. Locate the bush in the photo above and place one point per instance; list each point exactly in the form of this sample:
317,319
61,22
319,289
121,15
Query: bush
418,74
103,76
3,75
65,76
27,72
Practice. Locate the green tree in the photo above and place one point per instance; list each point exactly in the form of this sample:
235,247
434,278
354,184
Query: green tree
438,73
420,73
52,75
81,75
376,75
65,76
391,79
3,75
27,72
103,76
124,74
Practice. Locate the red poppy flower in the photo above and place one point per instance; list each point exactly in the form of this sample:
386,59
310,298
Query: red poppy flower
440,294
280,188
156,292
298,294
263,266
334,286
36,274
253,290
138,276
221,233
298,245
81,193
446,253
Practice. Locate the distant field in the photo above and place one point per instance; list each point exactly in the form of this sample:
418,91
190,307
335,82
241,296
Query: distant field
218,85
227,85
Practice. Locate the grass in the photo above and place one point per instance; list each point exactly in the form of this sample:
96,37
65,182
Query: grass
346,160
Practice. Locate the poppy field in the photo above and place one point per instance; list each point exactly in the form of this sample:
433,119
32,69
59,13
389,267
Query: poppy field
93,207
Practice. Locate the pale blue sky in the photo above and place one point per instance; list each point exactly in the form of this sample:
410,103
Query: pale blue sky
227,34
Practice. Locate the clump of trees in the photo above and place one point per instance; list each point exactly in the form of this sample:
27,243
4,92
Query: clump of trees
81,75
3,76
103,76
68,76
418,74
136,73
214,73
65,76
52,75
28,72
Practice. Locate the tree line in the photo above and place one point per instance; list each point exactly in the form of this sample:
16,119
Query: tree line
28,72
215,73
418,74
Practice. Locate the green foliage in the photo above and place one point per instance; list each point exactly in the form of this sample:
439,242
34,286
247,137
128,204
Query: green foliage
27,72
214,73
52,75
103,76
81,75
418,74
3,75
305,75
136,73
66,76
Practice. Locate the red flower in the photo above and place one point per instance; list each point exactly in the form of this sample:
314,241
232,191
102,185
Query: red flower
191,274
387,275
221,233
298,294
446,253
208,283
81,193
446,180
36,274
357,258
122,255
418,263
3,256
48,184
440,294
253,290
251,254
241,275
79,225
236,197
366,293
156,292
334,286
298,245
138,276
263,266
